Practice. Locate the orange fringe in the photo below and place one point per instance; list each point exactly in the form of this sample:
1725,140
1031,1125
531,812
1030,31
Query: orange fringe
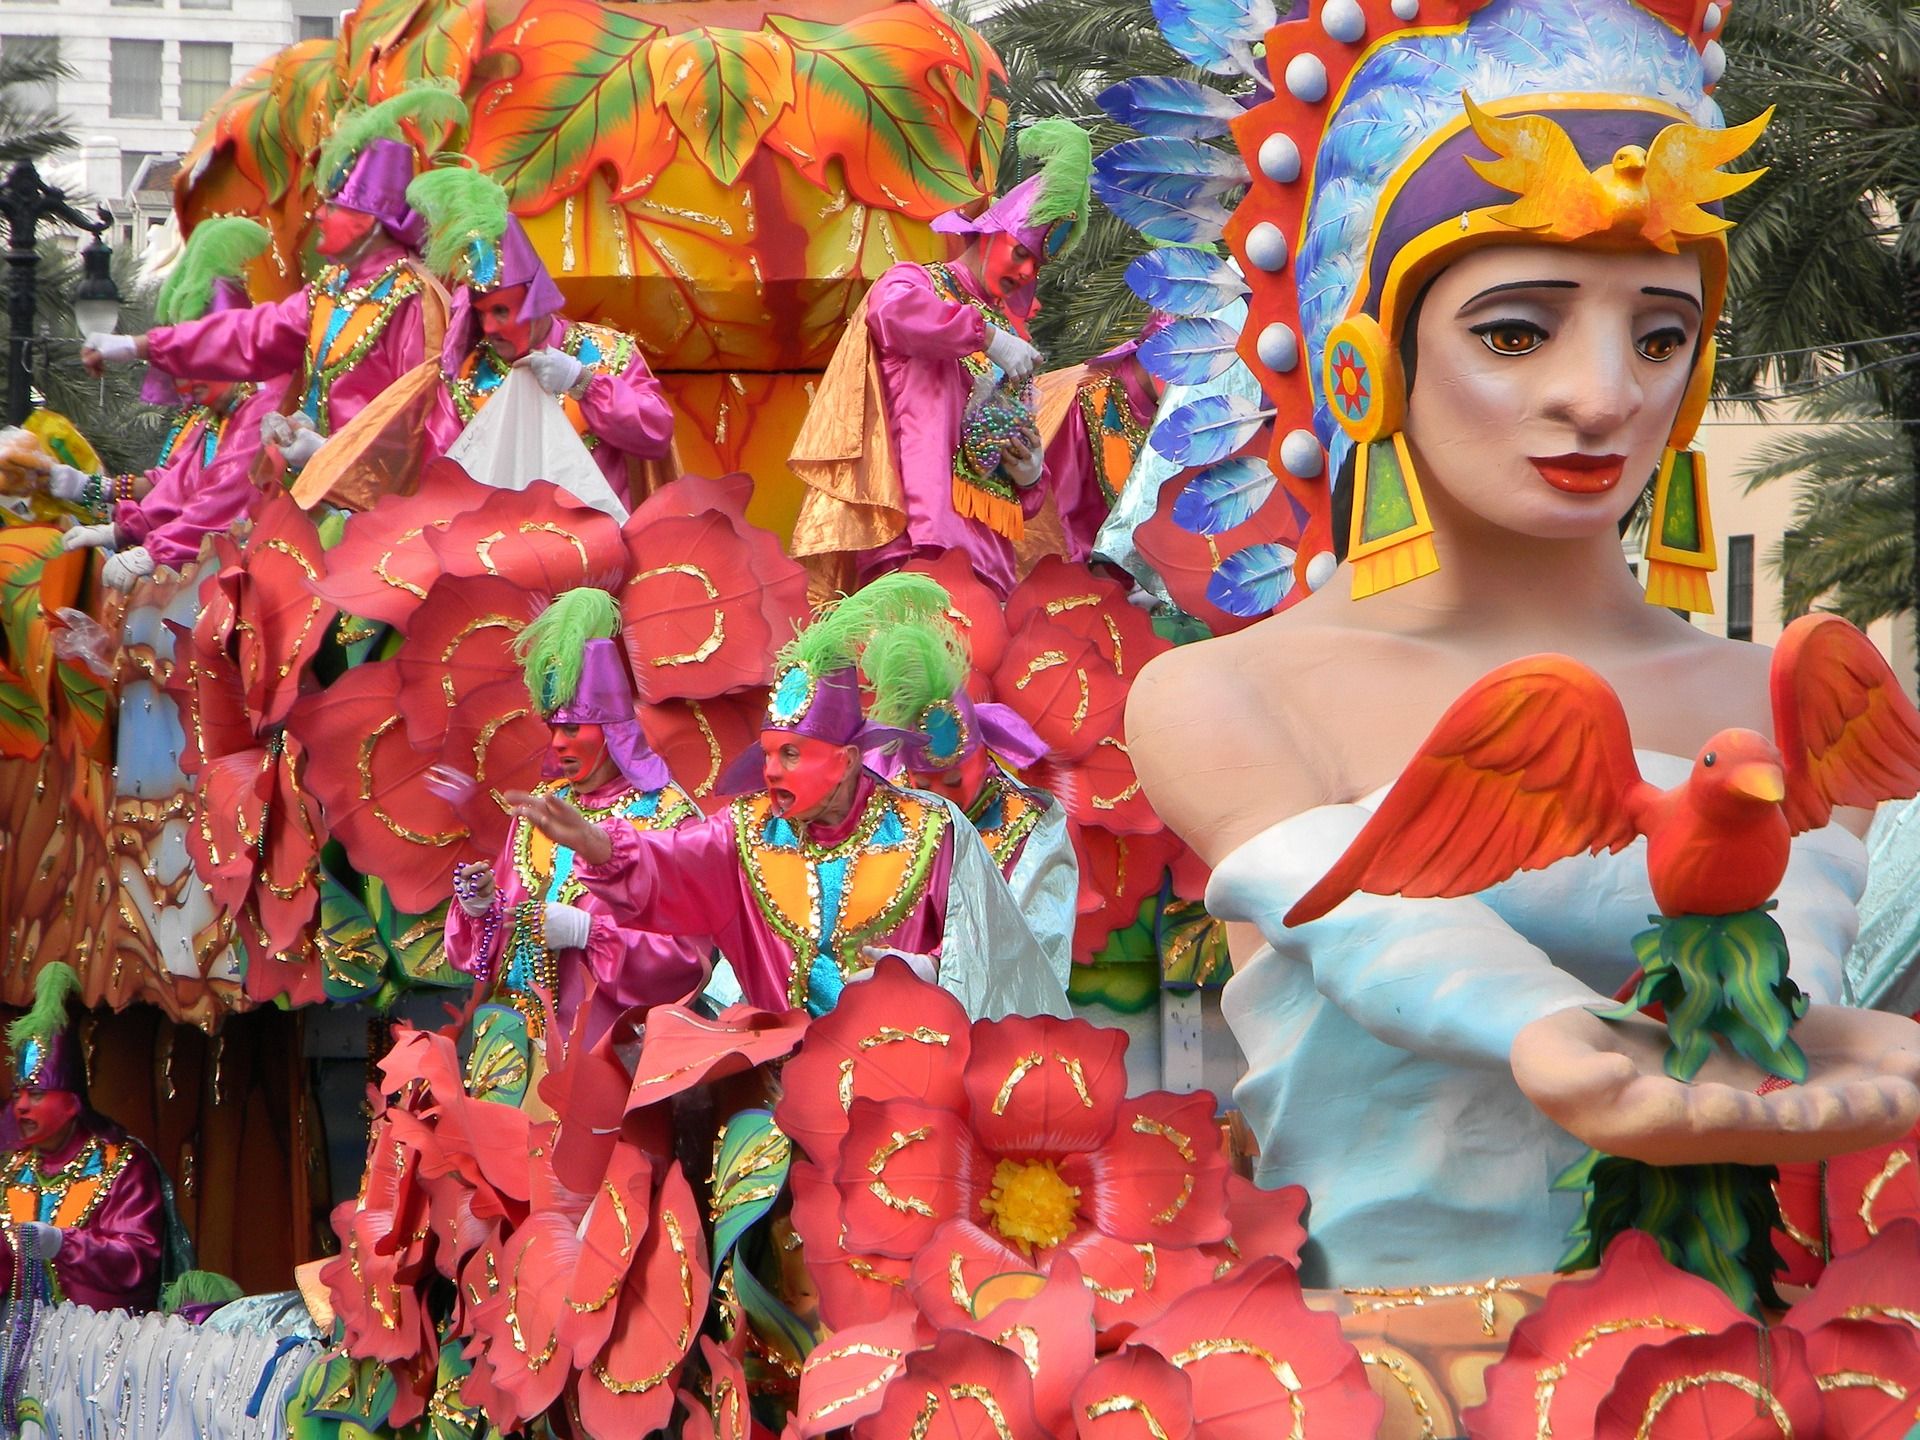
1003,517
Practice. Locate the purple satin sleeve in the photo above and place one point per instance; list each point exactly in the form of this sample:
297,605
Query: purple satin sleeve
114,1259
629,411
135,520
263,342
905,316
211,499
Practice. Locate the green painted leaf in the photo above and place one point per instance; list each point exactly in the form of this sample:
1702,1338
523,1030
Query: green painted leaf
749,1174
23,724
1192,945
353,956
724,89
415,944
771,1320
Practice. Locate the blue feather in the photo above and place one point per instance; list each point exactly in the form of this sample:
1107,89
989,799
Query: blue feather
1253,581
1150,165
1183,281
1208,429
1190,351
1223,496
1167,105
1197,221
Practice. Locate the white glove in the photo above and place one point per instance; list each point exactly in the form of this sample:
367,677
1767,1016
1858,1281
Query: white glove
1012,354
925,967
557,371
37,1241
113,349
123,571
89,537
566,927
66,482
305,445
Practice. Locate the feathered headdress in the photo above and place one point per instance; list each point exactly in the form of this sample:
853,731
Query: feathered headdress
219,249
45,1055
1047,211
576,673
425,104
916,671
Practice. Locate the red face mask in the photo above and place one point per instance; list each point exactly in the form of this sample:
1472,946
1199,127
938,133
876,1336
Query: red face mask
340,230
1008,267
45,1117
214,394
500,322
959,783
578,752
801,772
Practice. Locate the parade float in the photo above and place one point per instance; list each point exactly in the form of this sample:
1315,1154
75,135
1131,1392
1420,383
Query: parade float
421,725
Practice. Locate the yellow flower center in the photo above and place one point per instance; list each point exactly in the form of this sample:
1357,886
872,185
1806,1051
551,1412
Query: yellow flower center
1030,1204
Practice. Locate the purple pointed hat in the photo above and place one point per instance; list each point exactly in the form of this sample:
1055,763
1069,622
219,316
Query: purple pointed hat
376,185
950,730
498,265
46,1052
228,294
604,698
823,707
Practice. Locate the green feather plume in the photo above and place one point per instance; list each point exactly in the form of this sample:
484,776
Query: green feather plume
910,666
425,103
459,206
552,650
218,249
1063,154
52,987
840,633
198,1287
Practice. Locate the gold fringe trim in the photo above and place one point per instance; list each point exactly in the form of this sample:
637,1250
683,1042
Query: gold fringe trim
1678,587
1003,517
1395,565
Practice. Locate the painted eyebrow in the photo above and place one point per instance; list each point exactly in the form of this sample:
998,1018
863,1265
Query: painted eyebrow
1517,285
1692,300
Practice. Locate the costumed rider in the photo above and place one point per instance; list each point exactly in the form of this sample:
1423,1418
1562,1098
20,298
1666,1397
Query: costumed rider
955,749
923,436
370,315
506,313
82,1196
203,483
806,882
526,927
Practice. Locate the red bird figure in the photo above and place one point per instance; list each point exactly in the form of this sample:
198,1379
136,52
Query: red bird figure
1535,763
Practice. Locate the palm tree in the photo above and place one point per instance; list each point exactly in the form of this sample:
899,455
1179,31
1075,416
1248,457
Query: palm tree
125,432
1826,255
1060,54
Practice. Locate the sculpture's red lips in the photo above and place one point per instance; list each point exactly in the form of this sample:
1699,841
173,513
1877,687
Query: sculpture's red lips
1581,474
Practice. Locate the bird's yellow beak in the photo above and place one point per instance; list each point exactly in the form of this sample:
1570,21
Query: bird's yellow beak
1758,781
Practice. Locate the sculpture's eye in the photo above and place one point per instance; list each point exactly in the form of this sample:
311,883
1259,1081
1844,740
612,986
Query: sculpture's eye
1707,759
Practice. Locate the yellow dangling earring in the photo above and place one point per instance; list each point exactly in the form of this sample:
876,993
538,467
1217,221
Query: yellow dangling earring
1391,539
1680,553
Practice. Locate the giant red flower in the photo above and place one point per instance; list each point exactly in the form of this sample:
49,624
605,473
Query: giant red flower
1023,1149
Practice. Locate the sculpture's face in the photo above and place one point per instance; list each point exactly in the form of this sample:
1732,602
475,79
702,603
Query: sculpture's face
338,231
579,753
45,1118
803,773
959,783
500,322
1547,380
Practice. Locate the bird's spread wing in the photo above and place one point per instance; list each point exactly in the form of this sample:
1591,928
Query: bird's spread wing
1535,159
1684,174
1532,764
1847,733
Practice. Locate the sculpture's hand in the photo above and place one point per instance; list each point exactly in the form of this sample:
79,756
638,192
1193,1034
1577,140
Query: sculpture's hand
1605,1083
561,822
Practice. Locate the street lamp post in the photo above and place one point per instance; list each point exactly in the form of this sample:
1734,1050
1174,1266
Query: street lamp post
26,200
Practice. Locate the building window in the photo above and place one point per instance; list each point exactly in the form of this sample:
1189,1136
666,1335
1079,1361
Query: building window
316,27
205,73
133,83
41,94
1740,587
206,4
145,4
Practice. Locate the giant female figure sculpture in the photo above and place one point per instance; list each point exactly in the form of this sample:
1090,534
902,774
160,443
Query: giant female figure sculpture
1507,311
